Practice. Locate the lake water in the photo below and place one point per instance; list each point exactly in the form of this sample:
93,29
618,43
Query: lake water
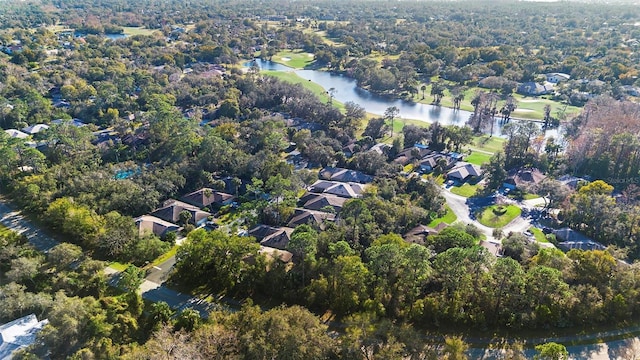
346,89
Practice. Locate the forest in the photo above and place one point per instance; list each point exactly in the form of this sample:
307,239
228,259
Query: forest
100,131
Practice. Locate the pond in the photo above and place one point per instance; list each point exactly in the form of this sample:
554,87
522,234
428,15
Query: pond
346,89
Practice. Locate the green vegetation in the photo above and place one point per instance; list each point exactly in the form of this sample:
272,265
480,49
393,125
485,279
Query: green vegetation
118,266
164,257
497,216
297,59
130,30
477,158
449,218
538,234
316,89
466,190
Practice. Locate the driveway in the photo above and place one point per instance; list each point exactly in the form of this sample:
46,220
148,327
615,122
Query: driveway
458,204
15,221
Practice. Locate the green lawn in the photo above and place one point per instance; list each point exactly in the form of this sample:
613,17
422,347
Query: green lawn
164,257
130,30
296,59
291,77
491,144
449,218
478,158
408,168
528,107
528,196
466,190
489,217
118,266
538,234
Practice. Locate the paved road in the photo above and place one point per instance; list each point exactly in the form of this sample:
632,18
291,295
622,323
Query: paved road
159,274
15,221
151,289
458,204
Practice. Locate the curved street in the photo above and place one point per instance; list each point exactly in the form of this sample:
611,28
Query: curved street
626,348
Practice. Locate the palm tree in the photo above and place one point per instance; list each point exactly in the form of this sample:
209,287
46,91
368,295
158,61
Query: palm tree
423,88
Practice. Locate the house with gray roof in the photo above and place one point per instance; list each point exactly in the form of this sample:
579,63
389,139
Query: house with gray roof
206,197
171,212
148,224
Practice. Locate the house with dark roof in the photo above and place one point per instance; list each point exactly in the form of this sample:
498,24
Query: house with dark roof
429,162
206,197
314,218
19,334
518,178
148,224
533,88
344,175
464,171
409,154
321,202
273,237
419,234
171,212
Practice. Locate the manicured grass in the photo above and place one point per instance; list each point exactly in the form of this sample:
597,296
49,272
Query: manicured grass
466,190
538,234
408,168
292,78
530,196
478,158
130,30
528,107
296,59
449,218
118,266
164,257
489,217
486,143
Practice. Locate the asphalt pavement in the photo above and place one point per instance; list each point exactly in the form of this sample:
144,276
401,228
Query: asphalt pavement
15,221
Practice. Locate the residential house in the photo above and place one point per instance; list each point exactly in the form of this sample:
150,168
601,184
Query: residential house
313,218
274,253
148,224
572,181
409,154
171,212
347,190
418,234
273,237
206,197
34,129
493,247
532,88
322,202
14,133
570,239
381,148
519,178
19,334
464,171
73,122
344,175
428,163
555,78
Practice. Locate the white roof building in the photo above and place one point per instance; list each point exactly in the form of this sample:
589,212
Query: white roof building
16,134
18,334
